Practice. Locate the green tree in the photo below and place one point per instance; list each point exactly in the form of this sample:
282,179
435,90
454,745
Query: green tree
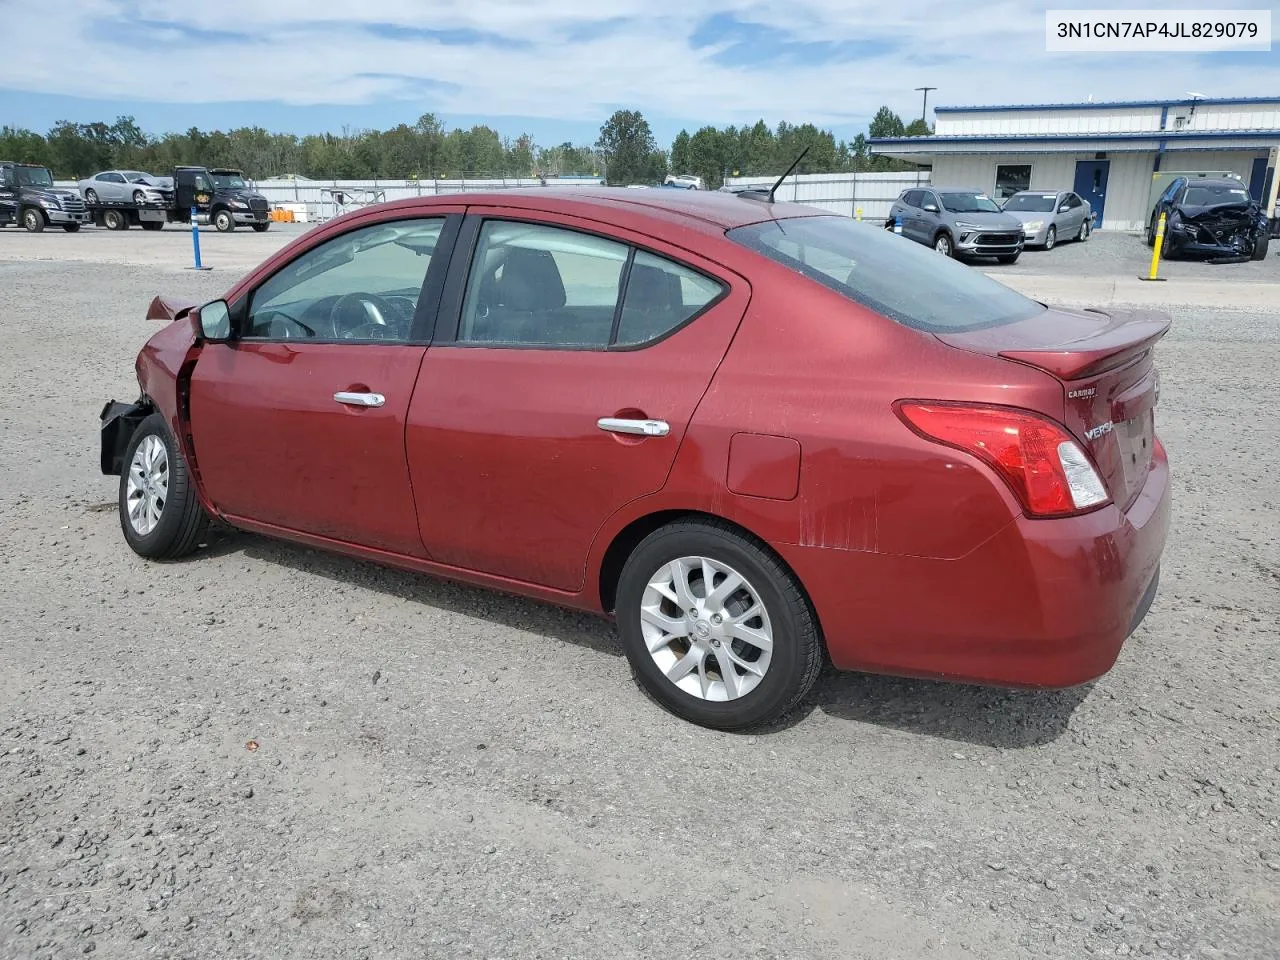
918,127
680,152
886,123
626,146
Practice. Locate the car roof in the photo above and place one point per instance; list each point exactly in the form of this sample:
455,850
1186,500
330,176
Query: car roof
689,208
1214,182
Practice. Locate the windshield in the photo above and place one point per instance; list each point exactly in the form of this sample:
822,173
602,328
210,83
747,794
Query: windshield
34,176
968,203
226,181
899,278
1031,202
1203,195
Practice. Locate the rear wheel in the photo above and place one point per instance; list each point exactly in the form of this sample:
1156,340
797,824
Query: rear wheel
33,220
152,225
91,196
71,227
942,243
115,220
159,513
716,629
224,221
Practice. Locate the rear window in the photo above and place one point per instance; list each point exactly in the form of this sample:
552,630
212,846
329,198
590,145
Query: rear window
890,274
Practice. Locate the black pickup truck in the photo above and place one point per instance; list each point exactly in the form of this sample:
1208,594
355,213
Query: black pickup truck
28,197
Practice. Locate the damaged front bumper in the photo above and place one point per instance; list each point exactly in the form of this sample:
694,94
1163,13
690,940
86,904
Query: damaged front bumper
119,421
1232,234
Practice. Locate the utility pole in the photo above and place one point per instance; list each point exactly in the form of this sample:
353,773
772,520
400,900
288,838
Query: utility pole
924,109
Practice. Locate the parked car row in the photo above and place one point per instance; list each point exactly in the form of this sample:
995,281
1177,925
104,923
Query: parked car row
968,223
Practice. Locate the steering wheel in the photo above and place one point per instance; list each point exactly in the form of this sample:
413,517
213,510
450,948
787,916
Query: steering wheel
353,312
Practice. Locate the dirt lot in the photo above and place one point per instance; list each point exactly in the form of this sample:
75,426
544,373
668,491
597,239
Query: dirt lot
443,772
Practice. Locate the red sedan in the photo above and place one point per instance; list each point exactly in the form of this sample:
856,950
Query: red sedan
756,434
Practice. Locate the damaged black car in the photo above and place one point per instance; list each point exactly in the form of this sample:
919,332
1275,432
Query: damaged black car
1213,220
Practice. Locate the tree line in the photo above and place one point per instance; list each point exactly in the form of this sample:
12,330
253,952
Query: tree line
625,151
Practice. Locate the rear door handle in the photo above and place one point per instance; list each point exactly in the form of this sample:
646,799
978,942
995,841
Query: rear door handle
360,399
643,428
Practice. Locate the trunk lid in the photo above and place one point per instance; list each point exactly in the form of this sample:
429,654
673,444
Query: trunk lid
1105,363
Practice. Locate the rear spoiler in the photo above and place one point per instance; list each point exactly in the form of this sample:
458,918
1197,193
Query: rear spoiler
1127,337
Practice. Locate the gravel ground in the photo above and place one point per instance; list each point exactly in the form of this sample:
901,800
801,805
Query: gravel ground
1128,255
270,752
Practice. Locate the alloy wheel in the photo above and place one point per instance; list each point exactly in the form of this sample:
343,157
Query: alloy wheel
706,628
148,485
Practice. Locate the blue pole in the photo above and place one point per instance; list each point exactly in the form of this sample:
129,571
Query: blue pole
897,224
195,237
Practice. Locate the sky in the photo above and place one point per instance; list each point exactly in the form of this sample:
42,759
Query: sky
557,68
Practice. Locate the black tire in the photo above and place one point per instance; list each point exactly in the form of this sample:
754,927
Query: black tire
1151,232
152,225
797,653
943,244
91,196
1086,228
71,227
33,220
1051,238
115,220
182,519
1008,258
1260,246
224,221
1166,253
261,227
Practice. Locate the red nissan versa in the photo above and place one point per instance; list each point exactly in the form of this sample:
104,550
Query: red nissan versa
755,433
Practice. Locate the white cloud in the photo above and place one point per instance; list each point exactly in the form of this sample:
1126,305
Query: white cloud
309,53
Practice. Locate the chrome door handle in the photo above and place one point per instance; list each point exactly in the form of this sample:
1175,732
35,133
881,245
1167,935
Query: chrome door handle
643,428
360,399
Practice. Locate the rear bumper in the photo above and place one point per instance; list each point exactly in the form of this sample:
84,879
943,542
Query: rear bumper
1043,603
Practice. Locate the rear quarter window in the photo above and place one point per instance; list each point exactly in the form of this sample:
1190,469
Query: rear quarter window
892,275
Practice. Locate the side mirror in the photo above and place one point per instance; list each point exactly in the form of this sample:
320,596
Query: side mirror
1064,208
215,321
931,207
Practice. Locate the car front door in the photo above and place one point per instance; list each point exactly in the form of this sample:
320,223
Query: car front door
562,390
111,186
928,221
298,420
8,194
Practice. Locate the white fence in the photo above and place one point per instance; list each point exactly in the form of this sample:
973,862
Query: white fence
843,193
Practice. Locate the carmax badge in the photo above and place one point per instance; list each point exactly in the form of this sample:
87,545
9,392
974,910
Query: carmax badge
1101,430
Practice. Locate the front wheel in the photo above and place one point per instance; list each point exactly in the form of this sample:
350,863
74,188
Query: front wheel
716,629
942,243
1051,238
261,227
1260,247
1083,235
33,220
224,221
159,512
71,227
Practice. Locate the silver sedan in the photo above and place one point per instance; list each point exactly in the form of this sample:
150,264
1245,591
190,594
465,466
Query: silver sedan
121,186
1048,216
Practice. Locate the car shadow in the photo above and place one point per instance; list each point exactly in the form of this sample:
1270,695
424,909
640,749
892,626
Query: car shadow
986,716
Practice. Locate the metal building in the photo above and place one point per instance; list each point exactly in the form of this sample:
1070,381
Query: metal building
1107,152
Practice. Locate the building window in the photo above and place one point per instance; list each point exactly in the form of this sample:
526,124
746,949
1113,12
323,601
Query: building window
1011,178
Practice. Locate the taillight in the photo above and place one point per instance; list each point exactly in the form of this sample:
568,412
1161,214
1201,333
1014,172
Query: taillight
1039,460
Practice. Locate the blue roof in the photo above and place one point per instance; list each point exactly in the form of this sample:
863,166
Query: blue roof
1188,101
1166,135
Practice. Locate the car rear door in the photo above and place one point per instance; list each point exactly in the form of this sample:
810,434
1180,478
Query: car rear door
560,389
298,421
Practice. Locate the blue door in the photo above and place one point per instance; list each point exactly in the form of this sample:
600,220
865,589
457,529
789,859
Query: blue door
1258,179
1091,184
